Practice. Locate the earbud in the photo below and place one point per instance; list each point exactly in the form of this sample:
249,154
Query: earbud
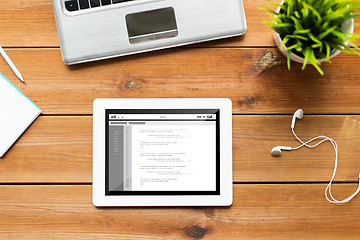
276,151
298,114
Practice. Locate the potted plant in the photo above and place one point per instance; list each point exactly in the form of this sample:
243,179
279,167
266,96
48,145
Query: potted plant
314,31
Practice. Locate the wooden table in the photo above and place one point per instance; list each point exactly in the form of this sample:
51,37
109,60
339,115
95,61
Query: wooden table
45,190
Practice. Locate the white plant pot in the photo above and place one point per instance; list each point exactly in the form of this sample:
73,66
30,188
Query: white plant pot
296,58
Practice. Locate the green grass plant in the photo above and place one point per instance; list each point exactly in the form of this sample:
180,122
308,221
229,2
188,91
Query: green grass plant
313,28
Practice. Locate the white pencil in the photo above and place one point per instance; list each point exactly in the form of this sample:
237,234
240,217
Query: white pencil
11,64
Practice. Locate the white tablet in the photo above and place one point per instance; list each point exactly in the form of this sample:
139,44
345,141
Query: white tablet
162,152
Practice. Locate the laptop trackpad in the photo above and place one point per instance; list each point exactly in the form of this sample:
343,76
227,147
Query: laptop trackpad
151,25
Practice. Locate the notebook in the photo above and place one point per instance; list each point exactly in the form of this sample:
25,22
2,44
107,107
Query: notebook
17,112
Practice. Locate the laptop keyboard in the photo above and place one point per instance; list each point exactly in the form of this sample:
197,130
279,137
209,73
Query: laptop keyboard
75,5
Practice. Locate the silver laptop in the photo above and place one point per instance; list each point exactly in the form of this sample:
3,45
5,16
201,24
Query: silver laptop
91,30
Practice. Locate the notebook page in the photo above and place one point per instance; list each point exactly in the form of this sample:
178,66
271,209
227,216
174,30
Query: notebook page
17,112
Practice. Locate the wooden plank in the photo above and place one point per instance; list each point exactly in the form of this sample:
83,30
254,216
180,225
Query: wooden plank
28,23
238,74
34,25
53,149
59,149
258,212
255,136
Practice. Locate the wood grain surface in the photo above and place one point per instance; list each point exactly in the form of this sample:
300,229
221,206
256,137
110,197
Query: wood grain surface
36,19
239,74
48,153
45,178
34,26
271,211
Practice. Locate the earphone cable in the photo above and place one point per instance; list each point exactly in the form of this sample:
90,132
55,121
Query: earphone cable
328,194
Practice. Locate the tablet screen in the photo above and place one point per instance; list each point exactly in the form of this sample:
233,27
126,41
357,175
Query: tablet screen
162,152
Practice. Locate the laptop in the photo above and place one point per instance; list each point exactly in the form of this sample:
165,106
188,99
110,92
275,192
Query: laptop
162,152
92,30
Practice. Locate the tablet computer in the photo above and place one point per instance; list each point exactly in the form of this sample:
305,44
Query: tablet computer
162,152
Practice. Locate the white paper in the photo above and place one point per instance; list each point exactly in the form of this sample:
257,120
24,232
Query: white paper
17,112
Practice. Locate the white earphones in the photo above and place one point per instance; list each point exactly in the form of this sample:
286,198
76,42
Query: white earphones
298,114
276,152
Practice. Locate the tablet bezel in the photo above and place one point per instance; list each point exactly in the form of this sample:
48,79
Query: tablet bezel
224,199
